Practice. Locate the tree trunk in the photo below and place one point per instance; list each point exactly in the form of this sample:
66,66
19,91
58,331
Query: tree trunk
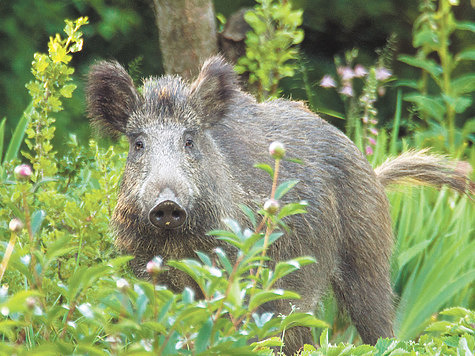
187,33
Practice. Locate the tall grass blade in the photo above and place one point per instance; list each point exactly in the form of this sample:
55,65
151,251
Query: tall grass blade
18,134
2,136
397,122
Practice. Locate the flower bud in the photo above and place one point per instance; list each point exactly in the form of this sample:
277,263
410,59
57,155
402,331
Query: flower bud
122,285
277,150
271,206
31,303
154,266
16,225
23,171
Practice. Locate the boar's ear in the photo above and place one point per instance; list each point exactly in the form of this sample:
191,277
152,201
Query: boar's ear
213,90
111,97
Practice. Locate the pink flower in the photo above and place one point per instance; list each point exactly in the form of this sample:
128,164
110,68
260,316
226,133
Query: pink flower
23,171
373,131
365,119
369,150
327,82
359,71
372,141
346,73
382,73
346,90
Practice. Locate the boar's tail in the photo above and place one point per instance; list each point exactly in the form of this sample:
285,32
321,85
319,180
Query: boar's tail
420,167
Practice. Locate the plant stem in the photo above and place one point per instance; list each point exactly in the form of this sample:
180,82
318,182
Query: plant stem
445,59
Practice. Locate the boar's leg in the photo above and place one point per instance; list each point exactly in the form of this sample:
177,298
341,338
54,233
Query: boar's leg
367,295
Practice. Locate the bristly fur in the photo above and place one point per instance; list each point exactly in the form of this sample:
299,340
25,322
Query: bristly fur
420,167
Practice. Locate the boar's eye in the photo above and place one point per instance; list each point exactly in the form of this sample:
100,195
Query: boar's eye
139,145
189,143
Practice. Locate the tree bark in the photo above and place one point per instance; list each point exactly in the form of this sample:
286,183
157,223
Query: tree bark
187,34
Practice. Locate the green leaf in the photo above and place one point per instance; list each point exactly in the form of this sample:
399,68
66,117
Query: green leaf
459,103
426,37
457,312
202,340
465,26
284,187
204,258
155,326
266,168
284,268
262,297
428,105
223,259
249,214
67,90
427,64
37,219
291,209
302,319
466,55
464,84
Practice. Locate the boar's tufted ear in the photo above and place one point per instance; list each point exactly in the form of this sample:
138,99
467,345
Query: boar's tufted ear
111,97
213,90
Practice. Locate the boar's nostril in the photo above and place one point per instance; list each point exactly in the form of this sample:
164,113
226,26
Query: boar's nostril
167,215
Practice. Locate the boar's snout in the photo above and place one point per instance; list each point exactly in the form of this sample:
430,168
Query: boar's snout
167,213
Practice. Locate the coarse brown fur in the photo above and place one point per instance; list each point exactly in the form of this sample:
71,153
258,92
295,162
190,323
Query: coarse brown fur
347,228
